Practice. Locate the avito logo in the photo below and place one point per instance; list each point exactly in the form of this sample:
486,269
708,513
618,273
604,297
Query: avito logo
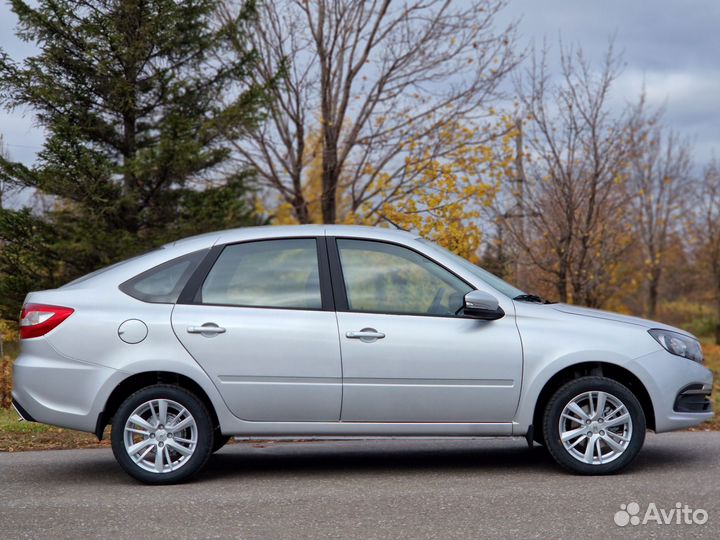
630,514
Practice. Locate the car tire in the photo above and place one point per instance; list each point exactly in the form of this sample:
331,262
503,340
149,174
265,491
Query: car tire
589,441
160,453
219,440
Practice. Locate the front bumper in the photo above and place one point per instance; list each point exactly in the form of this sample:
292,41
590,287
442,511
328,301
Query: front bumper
53,389
694,398
667,378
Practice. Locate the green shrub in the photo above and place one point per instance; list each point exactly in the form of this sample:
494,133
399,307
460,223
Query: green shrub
695,317
702,326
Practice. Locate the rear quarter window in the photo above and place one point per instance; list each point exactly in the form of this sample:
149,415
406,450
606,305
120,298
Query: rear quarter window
163,283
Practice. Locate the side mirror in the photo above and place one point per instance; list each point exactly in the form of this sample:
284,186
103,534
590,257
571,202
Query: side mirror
482,305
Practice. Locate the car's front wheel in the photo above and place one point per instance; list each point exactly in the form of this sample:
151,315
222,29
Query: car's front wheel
162,434
594,425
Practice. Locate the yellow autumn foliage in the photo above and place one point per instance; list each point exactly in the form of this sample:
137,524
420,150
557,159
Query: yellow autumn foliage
439,194
8,331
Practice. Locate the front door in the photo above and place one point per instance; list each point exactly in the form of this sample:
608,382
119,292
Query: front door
260,326
409,355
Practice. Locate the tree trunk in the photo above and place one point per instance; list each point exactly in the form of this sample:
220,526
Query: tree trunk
129,149
330,175
716,278
300,209
653,297
563,255
561,284
653,294
130,211
521,180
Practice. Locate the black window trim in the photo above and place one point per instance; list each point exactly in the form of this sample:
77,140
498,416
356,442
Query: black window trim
127,285
190,293
340,293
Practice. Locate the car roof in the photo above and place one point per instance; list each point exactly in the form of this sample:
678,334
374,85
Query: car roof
126,269
280,231
116,274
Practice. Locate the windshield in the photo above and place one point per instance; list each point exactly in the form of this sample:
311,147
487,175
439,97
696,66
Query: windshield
491,279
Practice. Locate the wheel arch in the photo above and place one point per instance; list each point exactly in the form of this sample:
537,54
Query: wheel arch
137,381
603,369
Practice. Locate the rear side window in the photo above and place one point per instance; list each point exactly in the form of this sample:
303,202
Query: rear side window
163,284
270,274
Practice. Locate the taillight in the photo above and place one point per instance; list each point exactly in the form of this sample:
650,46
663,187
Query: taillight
38,319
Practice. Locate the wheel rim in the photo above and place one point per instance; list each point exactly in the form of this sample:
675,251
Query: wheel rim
160,436
595,427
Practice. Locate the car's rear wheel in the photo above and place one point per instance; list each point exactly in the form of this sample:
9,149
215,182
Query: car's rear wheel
594,425
162,434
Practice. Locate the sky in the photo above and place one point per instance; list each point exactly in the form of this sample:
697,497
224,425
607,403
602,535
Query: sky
670,46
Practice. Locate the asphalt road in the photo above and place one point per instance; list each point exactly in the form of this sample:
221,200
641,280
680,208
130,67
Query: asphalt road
488,488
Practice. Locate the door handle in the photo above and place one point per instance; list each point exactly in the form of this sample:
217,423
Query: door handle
366,334
207,329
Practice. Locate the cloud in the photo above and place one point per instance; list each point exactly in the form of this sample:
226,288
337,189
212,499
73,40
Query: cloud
689,99
671,47
691,95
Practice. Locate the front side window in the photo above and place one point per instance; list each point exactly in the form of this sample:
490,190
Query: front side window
272,274
491,279
386,278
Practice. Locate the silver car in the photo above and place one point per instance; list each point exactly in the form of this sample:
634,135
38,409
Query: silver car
332,331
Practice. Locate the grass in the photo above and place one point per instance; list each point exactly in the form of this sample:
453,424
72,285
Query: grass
712,361
16,435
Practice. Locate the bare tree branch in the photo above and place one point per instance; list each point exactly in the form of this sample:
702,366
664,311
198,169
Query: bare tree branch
573,199
369,77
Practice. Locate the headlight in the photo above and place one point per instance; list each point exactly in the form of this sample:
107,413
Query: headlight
679,344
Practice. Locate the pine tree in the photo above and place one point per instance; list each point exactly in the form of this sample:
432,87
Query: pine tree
137,106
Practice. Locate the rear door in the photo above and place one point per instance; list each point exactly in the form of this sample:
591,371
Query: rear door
260,322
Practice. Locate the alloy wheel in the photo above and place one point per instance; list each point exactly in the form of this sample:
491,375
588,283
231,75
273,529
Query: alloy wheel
160,436
595,427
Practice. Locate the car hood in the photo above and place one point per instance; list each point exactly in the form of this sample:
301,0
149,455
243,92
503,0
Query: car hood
616,317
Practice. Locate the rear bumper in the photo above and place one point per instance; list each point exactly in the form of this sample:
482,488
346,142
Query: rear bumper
57,390
24,415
